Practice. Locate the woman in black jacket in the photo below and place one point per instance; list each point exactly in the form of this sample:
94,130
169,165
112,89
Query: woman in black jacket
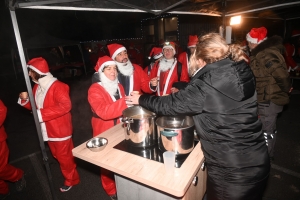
221,97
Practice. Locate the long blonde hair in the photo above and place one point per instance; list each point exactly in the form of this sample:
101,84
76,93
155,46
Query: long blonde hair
212,48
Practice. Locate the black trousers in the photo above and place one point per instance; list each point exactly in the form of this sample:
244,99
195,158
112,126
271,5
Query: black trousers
268,115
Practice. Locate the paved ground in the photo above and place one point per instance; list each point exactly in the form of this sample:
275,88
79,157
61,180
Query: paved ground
25,151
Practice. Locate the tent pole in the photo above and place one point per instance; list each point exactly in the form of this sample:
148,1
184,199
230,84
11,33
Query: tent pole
32,102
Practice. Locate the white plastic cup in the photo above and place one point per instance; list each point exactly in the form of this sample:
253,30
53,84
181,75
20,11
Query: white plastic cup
169,161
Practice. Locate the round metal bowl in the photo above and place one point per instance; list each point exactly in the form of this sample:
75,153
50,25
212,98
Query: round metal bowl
96,144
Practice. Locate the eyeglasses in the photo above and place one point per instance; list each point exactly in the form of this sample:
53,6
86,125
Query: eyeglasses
168,50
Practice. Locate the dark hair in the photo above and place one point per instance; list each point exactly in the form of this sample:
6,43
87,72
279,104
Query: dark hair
36,75
212,47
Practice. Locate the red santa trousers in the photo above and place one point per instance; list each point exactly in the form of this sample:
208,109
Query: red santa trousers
108,182
7,172
62,151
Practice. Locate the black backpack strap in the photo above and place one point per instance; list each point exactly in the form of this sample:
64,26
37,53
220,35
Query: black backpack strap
179,69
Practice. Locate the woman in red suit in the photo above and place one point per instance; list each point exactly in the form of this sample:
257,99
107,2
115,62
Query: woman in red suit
53,105
107,101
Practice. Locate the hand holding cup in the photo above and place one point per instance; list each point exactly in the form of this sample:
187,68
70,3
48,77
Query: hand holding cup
23,95
133,99
154,81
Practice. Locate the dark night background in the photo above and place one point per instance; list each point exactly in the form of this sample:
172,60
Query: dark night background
72,25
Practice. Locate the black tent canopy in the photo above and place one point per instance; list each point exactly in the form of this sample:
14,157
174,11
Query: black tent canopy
283,9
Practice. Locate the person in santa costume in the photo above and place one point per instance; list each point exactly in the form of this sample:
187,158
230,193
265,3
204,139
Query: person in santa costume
132,77
170,80
273,84
155,56
292,51
107,101
7,171
106,97
184,57
53,110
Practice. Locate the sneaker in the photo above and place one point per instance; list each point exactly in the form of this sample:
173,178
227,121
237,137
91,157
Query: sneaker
113,197
65,188
20,184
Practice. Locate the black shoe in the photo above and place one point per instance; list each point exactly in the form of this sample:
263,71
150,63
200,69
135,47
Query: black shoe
3,196
20,184
114,197
65,188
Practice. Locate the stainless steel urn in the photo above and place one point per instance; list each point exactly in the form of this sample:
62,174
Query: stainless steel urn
176,133
139,126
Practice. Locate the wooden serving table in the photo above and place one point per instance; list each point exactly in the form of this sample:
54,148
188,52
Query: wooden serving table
141,178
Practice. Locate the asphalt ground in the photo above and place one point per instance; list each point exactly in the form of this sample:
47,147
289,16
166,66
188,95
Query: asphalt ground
25,151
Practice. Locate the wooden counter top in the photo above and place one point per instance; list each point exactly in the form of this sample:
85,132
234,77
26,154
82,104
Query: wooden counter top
143,170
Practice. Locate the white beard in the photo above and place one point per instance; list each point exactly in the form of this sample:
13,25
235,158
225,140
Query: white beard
165,64
125,68
110,86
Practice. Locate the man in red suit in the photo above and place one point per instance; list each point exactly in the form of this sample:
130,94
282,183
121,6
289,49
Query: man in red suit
107,100
7,171
171,79
132,77
53,109
292,52
155,55
184,57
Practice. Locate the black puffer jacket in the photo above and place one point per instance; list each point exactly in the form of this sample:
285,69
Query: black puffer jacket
221,98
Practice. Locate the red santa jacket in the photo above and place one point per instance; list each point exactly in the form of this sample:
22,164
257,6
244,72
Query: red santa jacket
105,107
55,116
3,111
288,56
171,78
141,81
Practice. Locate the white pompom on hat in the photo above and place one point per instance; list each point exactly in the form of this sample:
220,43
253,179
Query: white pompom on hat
39,65
257,35
169,45
156,53
115,49
102,62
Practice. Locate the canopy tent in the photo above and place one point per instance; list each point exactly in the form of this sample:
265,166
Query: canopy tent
268,9
283,9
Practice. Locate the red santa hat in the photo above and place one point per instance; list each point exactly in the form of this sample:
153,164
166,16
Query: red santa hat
115,49
295,33
193,40
39,65
102,62
169,45
257,35
156,53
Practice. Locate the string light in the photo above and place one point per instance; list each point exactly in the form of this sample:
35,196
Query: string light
142,33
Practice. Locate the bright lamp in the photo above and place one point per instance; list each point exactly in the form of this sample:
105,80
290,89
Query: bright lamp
235,20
